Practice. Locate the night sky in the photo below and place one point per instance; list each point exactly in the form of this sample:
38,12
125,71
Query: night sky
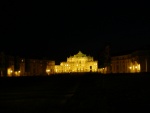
58,30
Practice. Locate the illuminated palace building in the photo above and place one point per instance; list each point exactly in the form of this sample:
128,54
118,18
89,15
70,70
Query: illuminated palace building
77,63
17,66
138,61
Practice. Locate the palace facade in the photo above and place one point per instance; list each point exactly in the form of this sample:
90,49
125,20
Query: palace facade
78,63
17,66
137,61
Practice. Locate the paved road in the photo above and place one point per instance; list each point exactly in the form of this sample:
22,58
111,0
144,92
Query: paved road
70,94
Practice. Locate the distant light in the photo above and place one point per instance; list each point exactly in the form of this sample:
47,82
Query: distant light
48,70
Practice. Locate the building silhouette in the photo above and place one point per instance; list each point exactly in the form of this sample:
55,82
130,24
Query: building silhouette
17,66
133,62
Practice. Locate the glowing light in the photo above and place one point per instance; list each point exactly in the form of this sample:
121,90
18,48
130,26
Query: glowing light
78,63
9,71
47,70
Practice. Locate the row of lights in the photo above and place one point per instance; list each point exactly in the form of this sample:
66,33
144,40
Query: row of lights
131,67
10,72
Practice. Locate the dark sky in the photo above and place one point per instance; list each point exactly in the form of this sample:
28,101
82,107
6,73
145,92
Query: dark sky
58,30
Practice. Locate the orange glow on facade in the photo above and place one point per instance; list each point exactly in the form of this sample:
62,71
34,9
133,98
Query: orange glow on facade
77,63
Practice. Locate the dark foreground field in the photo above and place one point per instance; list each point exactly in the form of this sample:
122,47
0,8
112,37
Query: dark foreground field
93,93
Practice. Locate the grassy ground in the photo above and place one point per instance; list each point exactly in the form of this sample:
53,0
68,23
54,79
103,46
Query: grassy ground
96,93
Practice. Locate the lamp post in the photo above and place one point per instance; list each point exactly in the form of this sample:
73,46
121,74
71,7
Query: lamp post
146,64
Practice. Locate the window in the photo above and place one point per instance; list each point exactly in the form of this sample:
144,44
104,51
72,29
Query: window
90,67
